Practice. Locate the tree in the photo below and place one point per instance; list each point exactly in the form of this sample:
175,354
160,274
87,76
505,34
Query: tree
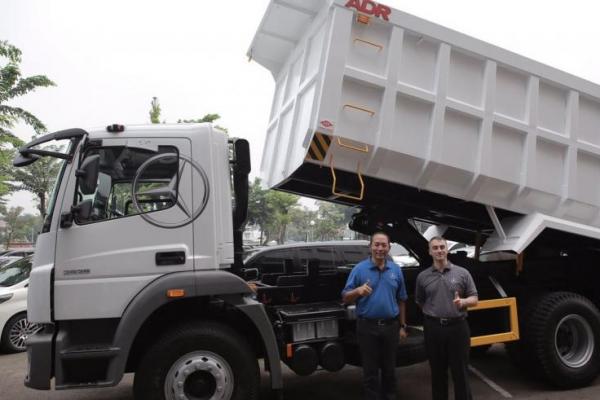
210,118
13,85
155,111
11,218
7,145
28,227
270,211
278,205
302,223
257,206
331,221
38,178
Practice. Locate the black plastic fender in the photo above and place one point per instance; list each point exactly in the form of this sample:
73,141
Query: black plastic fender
223,284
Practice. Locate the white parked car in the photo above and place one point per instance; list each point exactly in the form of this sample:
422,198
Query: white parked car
14,279
16,253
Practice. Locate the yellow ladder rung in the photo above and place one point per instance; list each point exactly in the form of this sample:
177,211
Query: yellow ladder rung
358,108
340,194
379,47
364,149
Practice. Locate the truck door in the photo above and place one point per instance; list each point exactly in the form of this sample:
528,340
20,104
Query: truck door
131,226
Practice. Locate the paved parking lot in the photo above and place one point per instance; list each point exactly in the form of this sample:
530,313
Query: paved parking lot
493,377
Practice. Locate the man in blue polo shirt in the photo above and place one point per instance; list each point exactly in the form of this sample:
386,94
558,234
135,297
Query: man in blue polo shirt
377,286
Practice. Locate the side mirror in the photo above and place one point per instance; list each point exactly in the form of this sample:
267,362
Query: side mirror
22,161
81,211
250,274
242,155
87,175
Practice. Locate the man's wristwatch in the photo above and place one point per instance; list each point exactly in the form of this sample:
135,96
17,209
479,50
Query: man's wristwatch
403,326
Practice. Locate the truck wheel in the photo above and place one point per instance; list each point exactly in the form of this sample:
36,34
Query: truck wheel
15,334
206,360
564,331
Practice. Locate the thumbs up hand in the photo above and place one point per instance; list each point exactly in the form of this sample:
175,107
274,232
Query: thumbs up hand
364,289
458,302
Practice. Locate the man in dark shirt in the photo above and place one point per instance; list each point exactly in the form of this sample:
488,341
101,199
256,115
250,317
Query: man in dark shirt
377,286
444,292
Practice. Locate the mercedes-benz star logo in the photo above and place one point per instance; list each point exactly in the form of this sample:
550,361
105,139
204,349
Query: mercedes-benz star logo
169,192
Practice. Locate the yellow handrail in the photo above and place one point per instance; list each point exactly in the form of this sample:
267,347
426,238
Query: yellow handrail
364,149
340,194
512,334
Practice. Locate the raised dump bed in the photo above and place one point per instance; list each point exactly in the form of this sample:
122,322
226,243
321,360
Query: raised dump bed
366,91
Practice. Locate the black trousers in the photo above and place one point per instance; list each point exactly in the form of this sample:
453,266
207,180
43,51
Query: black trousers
448,347
378,344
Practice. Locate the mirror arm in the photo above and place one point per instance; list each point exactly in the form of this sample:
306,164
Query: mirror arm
40,152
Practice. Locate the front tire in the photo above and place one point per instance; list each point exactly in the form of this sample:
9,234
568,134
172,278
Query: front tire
203,360
15,334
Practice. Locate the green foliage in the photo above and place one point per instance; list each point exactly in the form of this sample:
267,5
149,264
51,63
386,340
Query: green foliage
270,210
13,85
27,228
6,156
19,228
10,217
331,221
279,217
155,111
302,225
210,118
207,118
257,207
38,178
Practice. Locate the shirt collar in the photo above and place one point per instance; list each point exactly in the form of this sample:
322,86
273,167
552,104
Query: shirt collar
374,266
446,267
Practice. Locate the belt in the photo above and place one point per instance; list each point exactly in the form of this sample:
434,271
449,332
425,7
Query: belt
444,321
380,321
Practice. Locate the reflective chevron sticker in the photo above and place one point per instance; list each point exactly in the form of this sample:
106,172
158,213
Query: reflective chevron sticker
318,146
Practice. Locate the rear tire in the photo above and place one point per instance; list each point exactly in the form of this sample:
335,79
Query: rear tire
561,336
198,360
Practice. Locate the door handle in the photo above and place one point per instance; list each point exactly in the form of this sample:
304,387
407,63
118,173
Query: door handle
170,258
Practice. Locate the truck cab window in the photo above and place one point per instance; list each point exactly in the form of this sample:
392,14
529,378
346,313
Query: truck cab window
120,169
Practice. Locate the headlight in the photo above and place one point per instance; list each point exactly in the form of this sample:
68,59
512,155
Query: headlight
5,297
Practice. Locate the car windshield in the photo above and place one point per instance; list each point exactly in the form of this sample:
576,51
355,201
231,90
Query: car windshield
7,260
15,272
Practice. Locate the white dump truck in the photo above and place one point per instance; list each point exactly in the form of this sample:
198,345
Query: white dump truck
139,266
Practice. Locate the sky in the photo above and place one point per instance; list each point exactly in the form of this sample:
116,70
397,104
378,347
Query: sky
109,58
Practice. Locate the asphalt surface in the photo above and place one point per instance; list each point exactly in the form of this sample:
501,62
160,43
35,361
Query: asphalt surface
493,378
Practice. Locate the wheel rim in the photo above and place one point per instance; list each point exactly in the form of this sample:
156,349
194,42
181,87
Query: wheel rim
20,331
574,341
201,375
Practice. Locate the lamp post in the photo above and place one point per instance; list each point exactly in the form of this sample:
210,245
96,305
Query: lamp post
312,227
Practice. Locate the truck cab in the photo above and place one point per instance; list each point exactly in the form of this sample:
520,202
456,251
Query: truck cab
139,236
